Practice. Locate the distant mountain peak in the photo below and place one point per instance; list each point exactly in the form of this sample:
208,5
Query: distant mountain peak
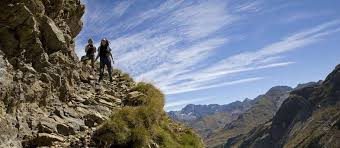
278,89
309,84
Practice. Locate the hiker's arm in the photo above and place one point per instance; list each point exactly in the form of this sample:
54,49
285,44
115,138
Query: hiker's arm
97,57
86,48
111,55
112,58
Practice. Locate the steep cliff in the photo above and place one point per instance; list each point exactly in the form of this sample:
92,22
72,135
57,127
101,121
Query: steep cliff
47,98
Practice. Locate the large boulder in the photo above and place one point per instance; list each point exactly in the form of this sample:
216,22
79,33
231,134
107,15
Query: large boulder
52,35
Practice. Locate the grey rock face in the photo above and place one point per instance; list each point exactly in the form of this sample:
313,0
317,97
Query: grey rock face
52,34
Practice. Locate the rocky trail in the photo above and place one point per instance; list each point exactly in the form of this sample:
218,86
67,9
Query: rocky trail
66,124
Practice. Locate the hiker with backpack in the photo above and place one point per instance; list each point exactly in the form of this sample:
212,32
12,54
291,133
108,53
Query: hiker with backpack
104,52
90,50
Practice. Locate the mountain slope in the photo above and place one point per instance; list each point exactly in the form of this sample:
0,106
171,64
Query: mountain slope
216,123
48,98
263,109
310,117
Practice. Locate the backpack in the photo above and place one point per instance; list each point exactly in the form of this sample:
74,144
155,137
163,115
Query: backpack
104,52
91,50
84,58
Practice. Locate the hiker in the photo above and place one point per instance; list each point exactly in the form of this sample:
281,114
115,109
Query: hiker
90,50
104,52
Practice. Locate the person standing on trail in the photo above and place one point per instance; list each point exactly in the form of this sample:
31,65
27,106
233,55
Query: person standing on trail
90,50
104,52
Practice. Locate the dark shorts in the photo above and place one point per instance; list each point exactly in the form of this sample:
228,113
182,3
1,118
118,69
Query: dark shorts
105,61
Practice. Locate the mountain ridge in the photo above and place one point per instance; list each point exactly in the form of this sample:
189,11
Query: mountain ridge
226,116
204,110
217,127
308,118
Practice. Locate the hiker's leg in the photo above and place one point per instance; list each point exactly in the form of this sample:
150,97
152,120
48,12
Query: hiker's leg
84,62
101,70
109,69
92,62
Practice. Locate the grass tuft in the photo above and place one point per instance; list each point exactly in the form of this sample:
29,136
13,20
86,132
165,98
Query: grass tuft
145,124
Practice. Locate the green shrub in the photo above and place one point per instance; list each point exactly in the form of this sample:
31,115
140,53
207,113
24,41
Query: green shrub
122,75
154,97
137,126
174,135
126,77
140,136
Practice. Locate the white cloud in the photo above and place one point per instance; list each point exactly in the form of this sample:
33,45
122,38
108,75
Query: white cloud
251,59
202,19
185,102
98,17
304,16
253,6
210,81
154,51
189,88
121,7
248,61
182,60
177,70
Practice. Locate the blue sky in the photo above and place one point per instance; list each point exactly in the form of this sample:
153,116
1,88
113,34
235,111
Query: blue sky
217,51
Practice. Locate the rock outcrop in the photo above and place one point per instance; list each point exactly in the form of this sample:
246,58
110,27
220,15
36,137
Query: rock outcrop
47,98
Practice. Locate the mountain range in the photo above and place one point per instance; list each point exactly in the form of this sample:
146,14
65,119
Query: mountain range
219,123
310,117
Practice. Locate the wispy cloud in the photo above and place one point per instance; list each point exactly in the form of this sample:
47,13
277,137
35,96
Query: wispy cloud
303,16
263,58
200,20
200,82
185,101
121,7
157,48
183,60
188,88
251,60
253,6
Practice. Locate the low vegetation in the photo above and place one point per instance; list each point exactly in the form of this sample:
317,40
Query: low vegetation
123,75
145,125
